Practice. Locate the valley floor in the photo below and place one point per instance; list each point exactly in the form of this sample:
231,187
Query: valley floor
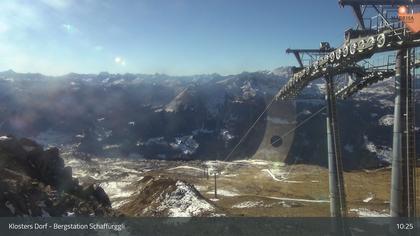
244,188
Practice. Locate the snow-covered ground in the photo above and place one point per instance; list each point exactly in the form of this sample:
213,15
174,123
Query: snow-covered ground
115,176
363,212
273,176
299,200
382,152
369,198
248,204
118,177
258,162
184,202
386,120
280,175
187,144
186,167
225,193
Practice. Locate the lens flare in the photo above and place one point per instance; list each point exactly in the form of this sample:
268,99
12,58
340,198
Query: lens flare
402,10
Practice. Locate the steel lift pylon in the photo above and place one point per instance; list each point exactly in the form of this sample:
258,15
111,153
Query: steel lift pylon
337,196
403,177
388,34
335,165
403,202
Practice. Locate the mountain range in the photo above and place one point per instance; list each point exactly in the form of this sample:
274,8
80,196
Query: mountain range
189,117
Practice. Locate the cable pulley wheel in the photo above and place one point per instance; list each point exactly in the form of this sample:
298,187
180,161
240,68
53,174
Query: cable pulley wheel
338,54
345,51
316,65
371,42
361,45
332,57
353,48
381,40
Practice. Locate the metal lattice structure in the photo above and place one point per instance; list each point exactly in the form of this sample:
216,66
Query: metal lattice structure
378,30
387,33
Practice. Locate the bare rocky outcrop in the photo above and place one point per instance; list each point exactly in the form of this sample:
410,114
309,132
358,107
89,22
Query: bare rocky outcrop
165,197
35,182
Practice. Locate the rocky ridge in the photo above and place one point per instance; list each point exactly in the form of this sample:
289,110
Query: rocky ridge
35,182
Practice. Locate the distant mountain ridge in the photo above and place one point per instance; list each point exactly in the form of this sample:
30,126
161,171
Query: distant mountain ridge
151,116
186,117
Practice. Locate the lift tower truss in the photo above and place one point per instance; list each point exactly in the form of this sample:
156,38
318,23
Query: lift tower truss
403,177
403,202
335,166
383,32
338,207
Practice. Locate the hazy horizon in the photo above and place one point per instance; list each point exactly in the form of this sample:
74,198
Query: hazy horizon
138,73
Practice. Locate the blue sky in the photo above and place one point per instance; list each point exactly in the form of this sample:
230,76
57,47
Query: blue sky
176,37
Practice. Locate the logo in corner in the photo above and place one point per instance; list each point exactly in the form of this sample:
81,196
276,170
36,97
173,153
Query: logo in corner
412,21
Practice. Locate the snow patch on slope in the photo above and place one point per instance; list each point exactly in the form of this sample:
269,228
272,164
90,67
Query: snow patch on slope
248,204
184,202
186,144
225,193
369,198
363,212
382,152
387,120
